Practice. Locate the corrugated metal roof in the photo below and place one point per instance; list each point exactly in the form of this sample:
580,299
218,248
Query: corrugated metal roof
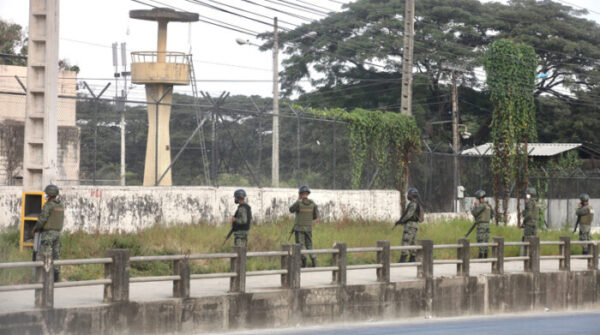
535,149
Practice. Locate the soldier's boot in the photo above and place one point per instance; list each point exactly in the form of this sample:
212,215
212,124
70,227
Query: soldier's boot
485,254
56,276
314,261
303,262
402,259
480,254
412,258
584,252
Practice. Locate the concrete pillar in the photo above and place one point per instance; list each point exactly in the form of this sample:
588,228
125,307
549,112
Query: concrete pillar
292,263
181,287
41,128
339,260
44,297
425,256
383,258
564,250
238,265
498,253
118,272
533,251
593,262
463,254
161,41
158,144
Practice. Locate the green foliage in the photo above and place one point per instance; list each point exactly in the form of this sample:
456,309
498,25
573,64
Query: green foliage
386,140
12,42
510,69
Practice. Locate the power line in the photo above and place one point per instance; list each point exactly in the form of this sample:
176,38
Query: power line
279,10
198,2
253,13
297,7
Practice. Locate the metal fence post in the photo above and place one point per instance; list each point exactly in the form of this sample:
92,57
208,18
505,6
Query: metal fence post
181,287
383,258
463,254
593,262
238,265
339,260
425,257
533,264
565,251
44,297
498,254
118,273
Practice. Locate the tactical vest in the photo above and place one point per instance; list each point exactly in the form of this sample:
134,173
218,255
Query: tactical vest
533,211
305,217
56,217
587,218
415,216
244,226
486,215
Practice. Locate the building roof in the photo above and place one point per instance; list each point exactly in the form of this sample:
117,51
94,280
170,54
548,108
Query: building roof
535,149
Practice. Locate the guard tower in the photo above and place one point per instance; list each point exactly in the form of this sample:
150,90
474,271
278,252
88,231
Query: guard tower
159,70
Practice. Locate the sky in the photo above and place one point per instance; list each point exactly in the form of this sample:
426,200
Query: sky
88,28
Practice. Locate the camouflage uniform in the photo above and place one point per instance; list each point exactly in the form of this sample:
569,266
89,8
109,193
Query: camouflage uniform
241,225
410,220
49,224
483,213
306,211
530,215
586,215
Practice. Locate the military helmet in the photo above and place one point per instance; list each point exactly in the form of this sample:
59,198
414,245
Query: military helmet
412,191
239,194
51,190
303,189
532,191
584,197
480,194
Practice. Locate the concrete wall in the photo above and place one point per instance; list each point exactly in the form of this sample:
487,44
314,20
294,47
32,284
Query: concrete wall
439,297
110,209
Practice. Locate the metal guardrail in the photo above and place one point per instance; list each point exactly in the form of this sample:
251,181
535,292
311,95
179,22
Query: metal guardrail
117,279
153,57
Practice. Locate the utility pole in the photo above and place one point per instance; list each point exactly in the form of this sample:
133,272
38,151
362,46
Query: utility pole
124,75
455,138
407,57
275,152
117,75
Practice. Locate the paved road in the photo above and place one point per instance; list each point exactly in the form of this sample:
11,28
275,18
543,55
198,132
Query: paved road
92,295
580,323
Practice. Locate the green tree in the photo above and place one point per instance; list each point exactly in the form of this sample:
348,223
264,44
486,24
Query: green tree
12,42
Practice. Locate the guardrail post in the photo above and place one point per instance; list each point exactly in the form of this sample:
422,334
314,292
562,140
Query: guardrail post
564,250
181,287
425,256
593,262
533,251
44,297
339,260
463,254
238,265
291,263
498,254
383,258
118,273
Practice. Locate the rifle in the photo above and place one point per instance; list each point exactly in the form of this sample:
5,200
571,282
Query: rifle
36,245
576,224
471,229
291,233
228,235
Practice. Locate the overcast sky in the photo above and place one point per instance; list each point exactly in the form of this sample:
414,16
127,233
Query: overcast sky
88,28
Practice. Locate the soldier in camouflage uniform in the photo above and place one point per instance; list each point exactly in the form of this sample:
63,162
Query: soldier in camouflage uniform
530,214
482,213
49,224
241,219
585,215
306,211
410,220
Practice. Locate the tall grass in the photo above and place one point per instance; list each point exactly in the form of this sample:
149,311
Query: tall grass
204,238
